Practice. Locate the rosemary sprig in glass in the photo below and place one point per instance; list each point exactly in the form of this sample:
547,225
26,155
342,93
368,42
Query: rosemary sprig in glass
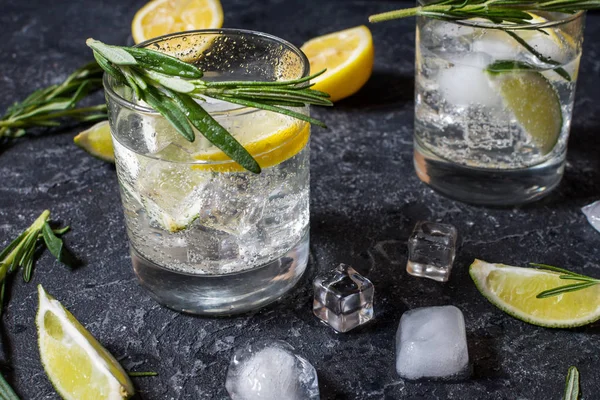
172,86
47,107
497,11
583,282
572,385
21,252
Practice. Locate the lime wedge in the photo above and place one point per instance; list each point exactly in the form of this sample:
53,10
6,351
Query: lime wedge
97,141
514,291
77,365
532,99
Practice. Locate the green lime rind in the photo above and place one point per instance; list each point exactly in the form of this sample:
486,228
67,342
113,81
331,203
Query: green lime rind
531,98
479,272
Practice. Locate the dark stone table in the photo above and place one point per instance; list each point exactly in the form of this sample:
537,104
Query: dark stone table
365,201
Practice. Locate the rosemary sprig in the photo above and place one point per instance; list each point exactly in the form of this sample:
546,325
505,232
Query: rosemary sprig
572,384
6,392
21,251
142,374
497,11
46,107
171,87
583,282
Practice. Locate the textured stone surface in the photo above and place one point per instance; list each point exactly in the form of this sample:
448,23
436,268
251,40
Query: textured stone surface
365,201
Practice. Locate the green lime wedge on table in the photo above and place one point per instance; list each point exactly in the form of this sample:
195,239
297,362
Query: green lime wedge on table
532,99
97,141
77,365
514,291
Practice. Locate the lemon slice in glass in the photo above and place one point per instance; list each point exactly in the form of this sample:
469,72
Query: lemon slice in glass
348,56
77,365
532,99
514,291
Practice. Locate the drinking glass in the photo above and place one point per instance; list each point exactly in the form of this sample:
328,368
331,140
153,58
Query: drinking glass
207,236
493,105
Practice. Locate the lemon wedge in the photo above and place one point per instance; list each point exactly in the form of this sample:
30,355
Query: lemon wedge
348,56
77,365
97,141
514,291
161,17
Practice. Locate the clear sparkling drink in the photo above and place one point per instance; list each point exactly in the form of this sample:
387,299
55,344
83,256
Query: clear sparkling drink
207,236
493,106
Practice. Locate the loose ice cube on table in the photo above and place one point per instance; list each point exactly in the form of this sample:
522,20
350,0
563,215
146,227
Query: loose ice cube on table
431,343
431,250
592,213
271,370
343,298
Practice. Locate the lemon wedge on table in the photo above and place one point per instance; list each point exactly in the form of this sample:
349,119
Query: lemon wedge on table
161,17
97,141
77,365
514,291
348,56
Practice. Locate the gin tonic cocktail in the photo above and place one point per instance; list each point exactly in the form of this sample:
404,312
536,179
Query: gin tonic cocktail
494,104
207,236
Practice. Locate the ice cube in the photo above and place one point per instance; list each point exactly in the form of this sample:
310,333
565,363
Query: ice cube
144,132
497,44
157,133
592,213
431,343
431,250
465,82
343,298
547,45
171,193
271,370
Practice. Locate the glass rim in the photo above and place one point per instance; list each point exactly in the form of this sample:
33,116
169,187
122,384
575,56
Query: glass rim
108,81
564,19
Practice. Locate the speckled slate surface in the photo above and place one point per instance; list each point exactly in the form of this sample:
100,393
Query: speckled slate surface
365,200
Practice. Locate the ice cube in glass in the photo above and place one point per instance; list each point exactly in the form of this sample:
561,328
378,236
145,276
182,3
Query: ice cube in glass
431,250
431,343
343,298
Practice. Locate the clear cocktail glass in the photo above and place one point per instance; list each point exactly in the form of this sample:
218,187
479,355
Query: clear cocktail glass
207,236
493,105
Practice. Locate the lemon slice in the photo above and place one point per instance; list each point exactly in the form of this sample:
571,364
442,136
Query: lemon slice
161,17
77,365
348,56
532,99
97,141
514,291
269,137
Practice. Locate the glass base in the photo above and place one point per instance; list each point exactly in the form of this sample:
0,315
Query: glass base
226,294
487,186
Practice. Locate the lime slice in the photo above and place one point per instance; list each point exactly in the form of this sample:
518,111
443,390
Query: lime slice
97,141
77,365
514,291
532,99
